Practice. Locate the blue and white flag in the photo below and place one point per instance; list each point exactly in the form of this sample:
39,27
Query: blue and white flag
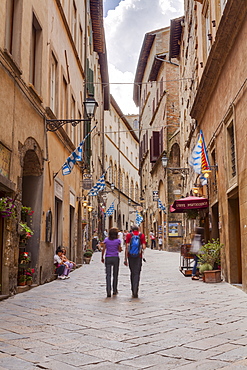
199,158
99,186
110,210
75,156
161,206
138,219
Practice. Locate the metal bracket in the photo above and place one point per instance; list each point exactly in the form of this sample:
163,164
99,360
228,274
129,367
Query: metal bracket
55,124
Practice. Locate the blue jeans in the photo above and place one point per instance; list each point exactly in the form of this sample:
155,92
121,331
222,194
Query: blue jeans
111,263
195,265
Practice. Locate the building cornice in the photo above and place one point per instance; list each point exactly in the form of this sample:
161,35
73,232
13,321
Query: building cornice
231,21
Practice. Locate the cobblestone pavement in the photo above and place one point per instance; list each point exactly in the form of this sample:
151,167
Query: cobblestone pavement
176,323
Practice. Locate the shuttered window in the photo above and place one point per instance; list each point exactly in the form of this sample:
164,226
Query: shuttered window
90,85
154,146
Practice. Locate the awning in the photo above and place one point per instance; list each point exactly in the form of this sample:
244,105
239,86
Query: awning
184,204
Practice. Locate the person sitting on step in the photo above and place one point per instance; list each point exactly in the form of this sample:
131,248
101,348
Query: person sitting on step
69,264
59,264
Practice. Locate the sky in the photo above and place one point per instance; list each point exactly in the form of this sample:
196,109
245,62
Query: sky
126,23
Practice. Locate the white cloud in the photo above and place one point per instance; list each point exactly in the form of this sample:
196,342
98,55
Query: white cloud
125,29
122,93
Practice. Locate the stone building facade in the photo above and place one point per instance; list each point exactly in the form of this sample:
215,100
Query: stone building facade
213,99
156,93
121,157
52,53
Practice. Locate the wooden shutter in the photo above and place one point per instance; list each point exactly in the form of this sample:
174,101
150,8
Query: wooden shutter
161,141
154,146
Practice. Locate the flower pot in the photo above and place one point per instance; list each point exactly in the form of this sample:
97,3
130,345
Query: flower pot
87,260
29,282
23,283
213,276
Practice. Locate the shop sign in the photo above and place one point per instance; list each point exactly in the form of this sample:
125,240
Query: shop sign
155,196
87,181
58,190
4,160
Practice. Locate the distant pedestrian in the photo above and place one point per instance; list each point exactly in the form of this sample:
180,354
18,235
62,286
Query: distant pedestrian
111,249
160,243
95,242
121,237
135,244
152,238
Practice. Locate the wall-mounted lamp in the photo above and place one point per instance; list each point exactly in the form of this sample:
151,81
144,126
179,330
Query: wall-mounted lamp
89,208
175,170
112,186
196,189
164,160
207,173
85,202
90,106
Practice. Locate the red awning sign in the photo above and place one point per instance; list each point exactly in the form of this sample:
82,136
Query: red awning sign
184,204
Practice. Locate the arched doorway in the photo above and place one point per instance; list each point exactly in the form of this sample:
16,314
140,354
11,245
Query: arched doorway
32,191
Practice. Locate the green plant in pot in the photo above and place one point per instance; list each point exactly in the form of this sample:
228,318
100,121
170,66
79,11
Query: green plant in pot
210,257
22,279
88,253
87,256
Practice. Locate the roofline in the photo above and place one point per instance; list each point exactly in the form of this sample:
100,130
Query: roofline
141,65
99,46
143,57
175,36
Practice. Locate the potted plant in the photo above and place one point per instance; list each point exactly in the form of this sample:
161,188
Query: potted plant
83,223
29,275
210,261
87,256
22,280
24,258
27,211
25,231
7,207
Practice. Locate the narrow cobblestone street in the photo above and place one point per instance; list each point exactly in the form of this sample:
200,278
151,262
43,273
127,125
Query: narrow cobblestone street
176,323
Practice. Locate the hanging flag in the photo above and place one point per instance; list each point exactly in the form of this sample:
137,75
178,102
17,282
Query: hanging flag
110,210
75,156
203,180
199,159
161,206
138,219
99,186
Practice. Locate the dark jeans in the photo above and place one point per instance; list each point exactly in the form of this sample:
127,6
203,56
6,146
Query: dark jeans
135,266
60,270
111,263
153,244
195,265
